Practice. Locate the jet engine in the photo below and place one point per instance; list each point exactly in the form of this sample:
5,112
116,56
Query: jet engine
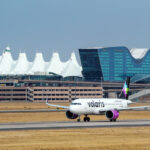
70,115
112,114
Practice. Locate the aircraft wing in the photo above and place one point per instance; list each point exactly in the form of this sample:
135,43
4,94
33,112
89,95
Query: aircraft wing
126,108
134,108
58,106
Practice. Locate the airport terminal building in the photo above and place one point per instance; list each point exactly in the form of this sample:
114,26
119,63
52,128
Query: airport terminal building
108,64
114,64
101,74
39,80
54,68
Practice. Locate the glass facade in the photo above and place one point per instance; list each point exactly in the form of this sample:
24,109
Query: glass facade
90,64
112,64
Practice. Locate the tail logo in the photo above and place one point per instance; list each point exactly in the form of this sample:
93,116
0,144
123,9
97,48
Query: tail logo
125,89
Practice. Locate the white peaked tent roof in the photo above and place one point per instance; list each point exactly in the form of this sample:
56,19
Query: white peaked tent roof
138,53
72,68
73,57
21,65
38,64
6,63
55,65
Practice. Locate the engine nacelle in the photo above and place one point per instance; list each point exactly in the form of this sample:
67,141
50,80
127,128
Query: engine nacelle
112,114
70,115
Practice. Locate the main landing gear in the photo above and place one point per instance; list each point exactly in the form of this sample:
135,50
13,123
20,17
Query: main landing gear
86,118
112,120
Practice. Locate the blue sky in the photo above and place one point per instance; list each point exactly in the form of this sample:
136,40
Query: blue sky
67,25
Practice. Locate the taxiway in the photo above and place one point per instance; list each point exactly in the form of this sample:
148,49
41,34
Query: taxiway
72,124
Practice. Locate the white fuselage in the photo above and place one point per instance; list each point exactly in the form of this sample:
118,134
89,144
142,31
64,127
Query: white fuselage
97,106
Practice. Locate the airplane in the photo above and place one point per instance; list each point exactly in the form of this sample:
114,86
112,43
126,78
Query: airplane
110,107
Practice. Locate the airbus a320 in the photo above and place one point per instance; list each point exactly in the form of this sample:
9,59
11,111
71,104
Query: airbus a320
101,106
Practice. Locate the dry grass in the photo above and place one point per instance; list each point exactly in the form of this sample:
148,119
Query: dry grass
82,139
27,105
32,117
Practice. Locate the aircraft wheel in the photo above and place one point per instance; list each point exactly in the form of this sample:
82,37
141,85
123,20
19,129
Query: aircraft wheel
78,120
111,120
114,120
85,119
88,119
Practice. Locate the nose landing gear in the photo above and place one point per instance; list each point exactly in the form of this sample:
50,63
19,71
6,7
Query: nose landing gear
78,120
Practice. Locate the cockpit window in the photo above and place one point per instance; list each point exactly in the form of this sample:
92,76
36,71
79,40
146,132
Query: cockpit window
75,103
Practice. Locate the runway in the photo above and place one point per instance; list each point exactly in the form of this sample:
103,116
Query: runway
72,124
